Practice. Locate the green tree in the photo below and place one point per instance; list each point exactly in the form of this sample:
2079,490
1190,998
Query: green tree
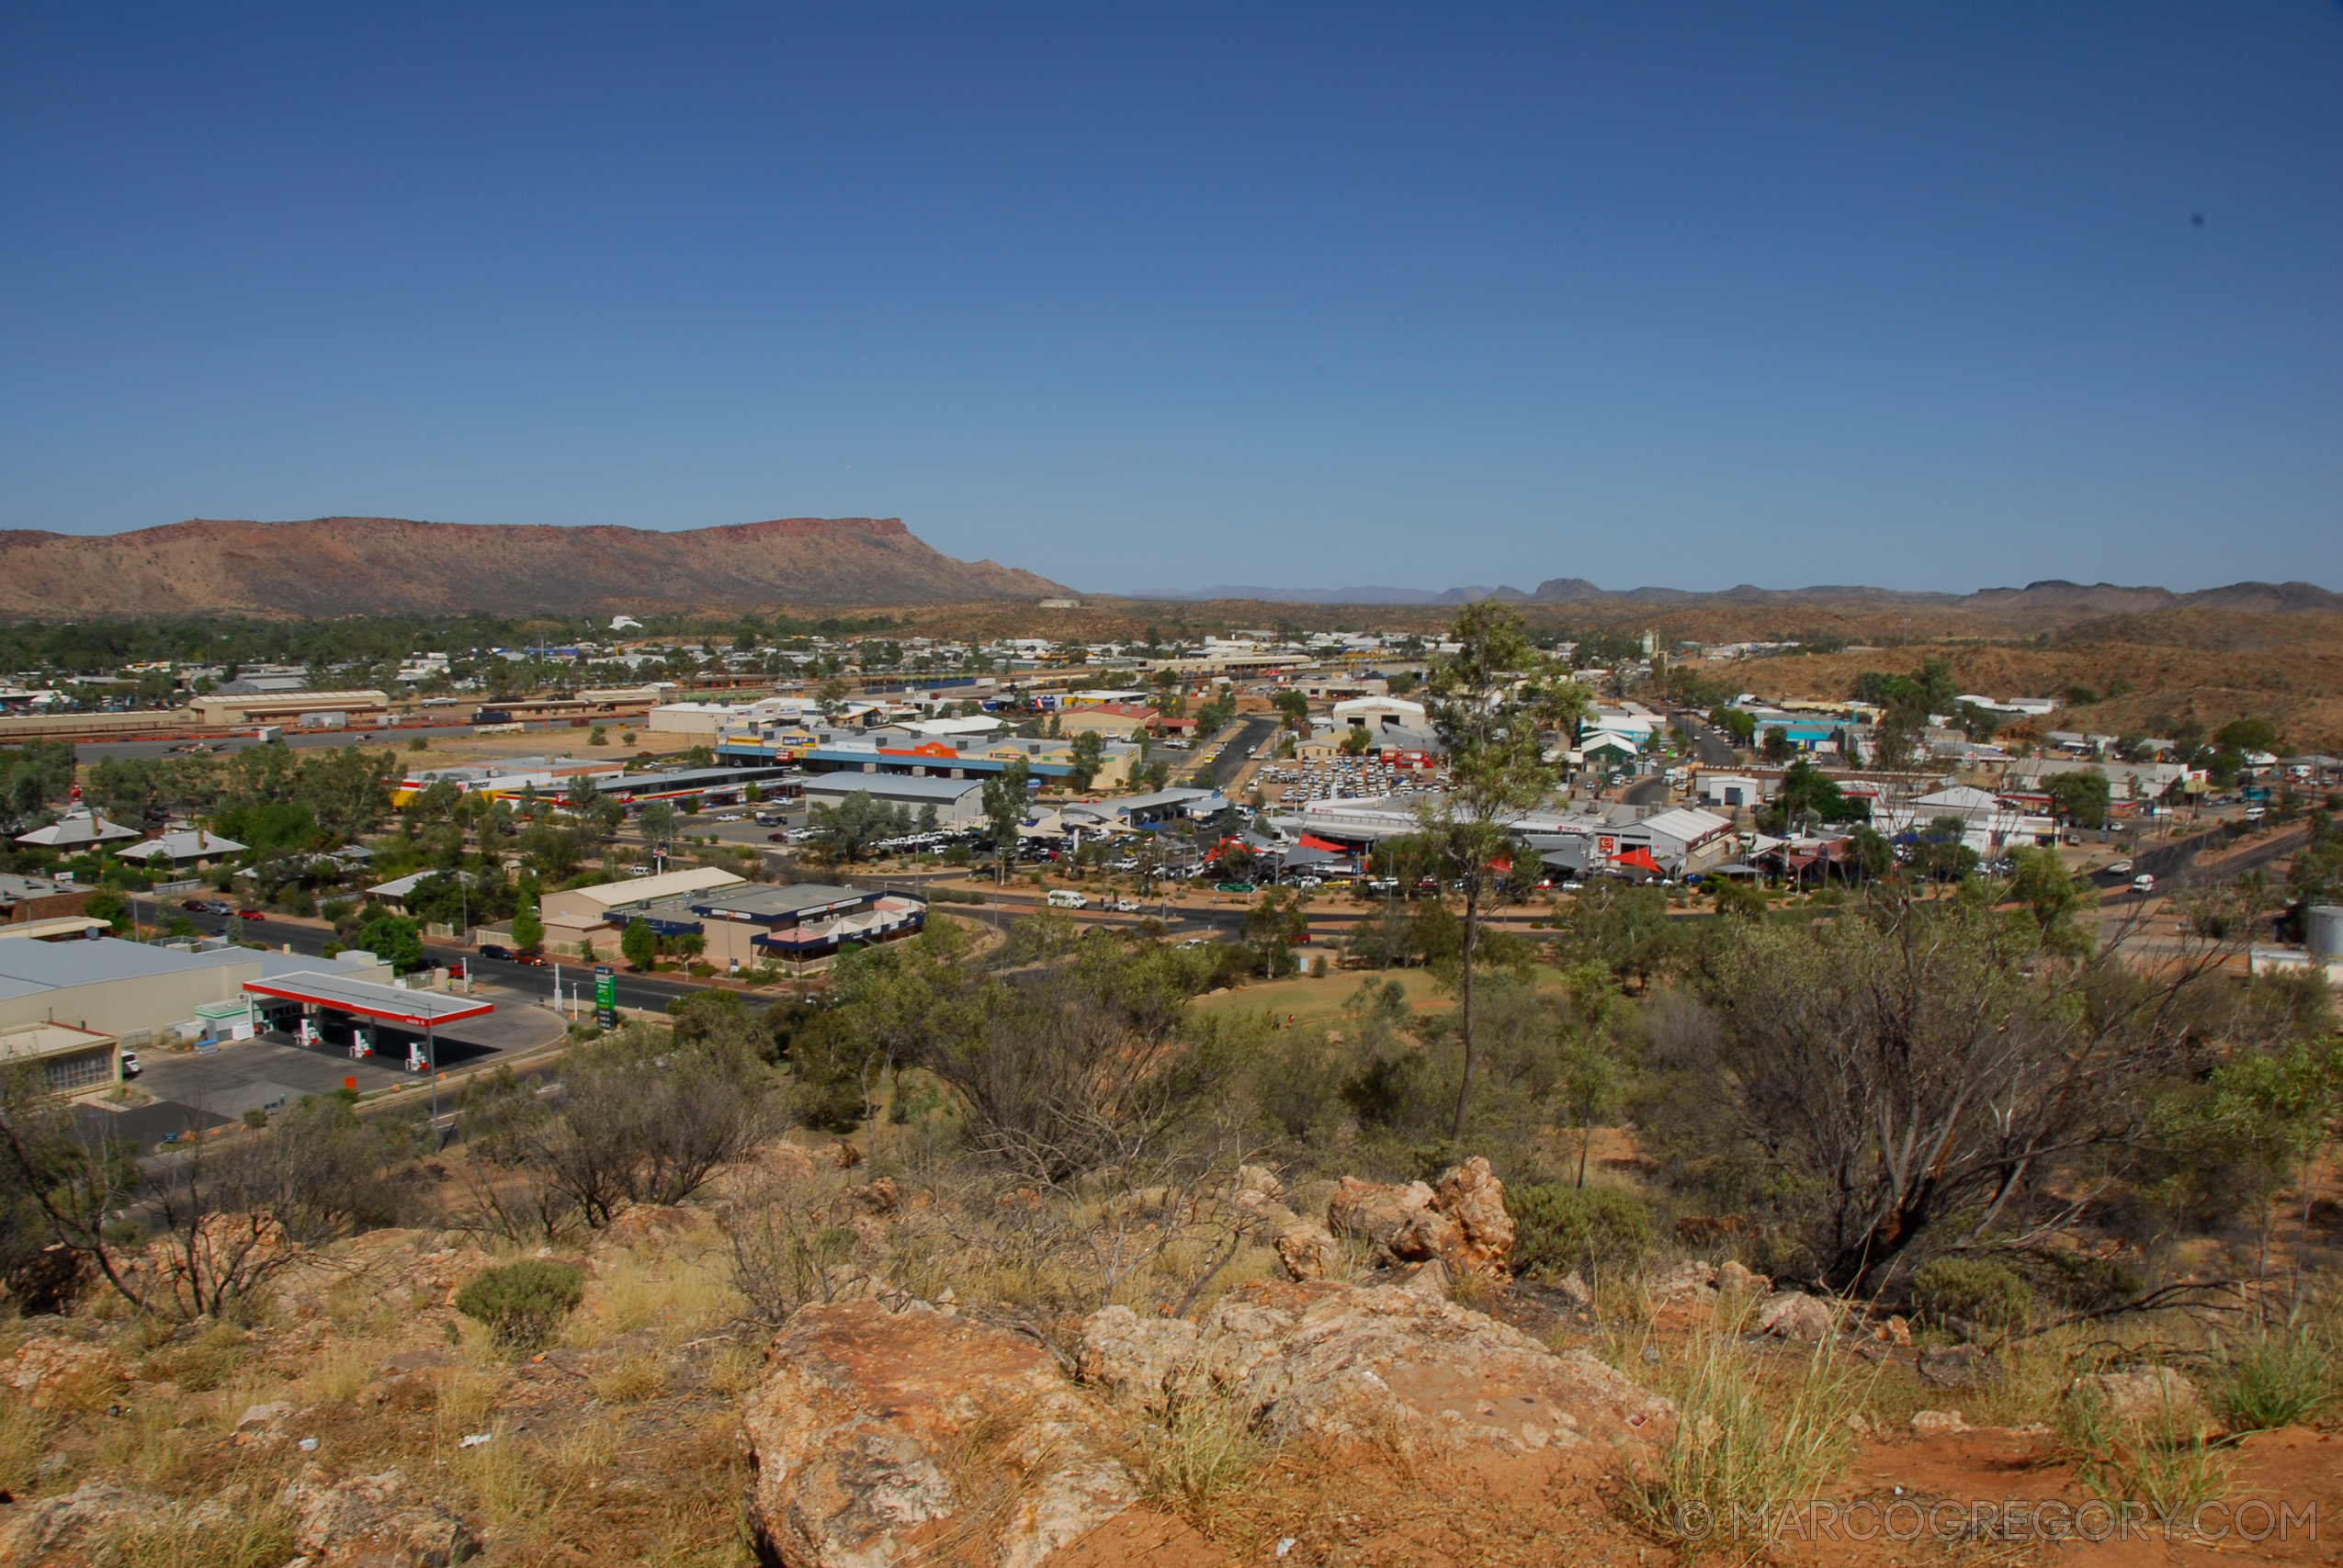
2051,896
1274,928
1489,702
1088,756
639,945
1736,725
394,939
2247,734
1004,811
656,823
2081,797
528,926
848,831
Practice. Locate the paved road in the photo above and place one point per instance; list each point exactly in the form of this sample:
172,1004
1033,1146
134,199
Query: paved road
1233,755
1646,792
1712,749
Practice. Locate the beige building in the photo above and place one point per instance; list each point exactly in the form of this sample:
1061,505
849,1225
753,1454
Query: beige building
72,1060
596,913
131,991
284,708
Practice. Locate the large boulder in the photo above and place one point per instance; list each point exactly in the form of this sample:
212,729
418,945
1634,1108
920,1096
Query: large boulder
881,1435
1308,1251
1472,1196
1399,1222
1462,1221
1345,1361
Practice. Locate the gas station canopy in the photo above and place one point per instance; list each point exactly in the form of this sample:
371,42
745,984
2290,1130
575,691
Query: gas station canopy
391,1004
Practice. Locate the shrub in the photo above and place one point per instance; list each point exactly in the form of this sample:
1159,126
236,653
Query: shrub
522,1304
2272,1379
1971,1294
1557,1229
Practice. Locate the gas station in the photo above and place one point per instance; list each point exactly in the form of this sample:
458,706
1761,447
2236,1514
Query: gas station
316,1009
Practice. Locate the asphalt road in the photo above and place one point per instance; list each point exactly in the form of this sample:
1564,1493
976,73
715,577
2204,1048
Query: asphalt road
1241,746
1712,749
1646,792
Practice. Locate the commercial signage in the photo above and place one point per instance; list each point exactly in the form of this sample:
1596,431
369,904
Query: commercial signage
606,996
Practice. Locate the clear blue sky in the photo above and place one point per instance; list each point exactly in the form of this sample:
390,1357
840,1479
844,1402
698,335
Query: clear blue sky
1168,296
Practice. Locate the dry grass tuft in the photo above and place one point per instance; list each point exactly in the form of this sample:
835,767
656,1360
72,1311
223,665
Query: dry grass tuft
1197,1452
23,1438
633,1380
1744,1445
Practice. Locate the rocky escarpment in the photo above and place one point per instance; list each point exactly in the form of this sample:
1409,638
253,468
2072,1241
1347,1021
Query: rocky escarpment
341,566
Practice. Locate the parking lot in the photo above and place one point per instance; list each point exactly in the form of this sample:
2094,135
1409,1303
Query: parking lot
195,1090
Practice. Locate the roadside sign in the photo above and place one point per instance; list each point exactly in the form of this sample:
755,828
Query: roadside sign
606,996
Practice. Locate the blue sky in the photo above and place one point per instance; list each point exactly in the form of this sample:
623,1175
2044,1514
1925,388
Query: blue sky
1162,297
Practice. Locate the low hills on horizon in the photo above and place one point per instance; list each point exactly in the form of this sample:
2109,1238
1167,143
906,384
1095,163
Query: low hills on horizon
344,566
2050,595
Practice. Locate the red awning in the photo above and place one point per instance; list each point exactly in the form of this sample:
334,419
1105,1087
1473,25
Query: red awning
1312,841
1640,859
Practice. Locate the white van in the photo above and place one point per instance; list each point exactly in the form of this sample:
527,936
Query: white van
2143,884
1067,898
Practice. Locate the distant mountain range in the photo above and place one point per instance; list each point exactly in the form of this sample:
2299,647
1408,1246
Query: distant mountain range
345,566
2100,597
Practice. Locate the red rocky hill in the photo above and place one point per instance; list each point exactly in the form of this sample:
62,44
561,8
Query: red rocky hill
337,566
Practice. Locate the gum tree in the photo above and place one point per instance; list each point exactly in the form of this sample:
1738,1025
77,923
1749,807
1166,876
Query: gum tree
1488,701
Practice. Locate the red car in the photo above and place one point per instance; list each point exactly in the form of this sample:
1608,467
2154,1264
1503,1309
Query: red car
250,914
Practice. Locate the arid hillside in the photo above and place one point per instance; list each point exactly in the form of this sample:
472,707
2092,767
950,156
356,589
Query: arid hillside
2169,666
343,566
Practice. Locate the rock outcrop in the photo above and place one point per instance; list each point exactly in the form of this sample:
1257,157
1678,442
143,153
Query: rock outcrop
79,1525
371,1521
1462,1221
47,1370
880,1436
1340,1360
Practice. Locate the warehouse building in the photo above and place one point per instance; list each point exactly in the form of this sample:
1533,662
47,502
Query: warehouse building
959,803
134,992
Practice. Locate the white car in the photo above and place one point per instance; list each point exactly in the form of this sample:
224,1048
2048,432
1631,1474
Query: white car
2143,884
1124,906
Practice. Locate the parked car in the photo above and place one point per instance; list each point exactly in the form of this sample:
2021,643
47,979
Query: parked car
131,1067
251,915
